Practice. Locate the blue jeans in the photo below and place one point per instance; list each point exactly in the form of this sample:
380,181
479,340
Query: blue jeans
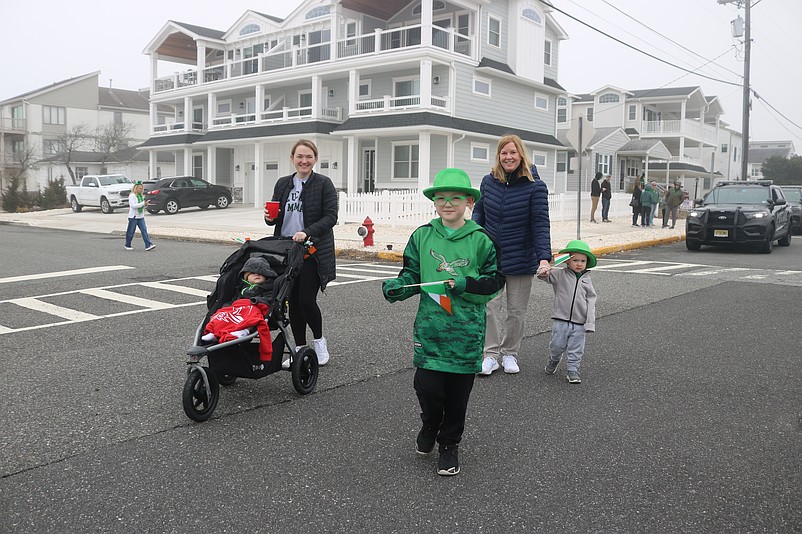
133,222
605,208
567,338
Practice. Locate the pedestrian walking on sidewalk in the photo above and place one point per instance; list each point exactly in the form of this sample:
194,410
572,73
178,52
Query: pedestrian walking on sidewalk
136,217
606,196
648,201
595,195
635,203
514,209
309,207
674,198
453,264
574,309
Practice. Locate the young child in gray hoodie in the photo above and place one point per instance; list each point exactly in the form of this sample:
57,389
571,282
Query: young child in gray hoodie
574,310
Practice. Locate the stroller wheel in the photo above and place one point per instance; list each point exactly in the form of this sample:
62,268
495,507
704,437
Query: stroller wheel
304,371
226,380
198,403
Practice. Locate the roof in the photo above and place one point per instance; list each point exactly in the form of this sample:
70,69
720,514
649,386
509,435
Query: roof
503,67
127,154
271,17
676,166
759,155
167,140
123,98
645,147
52,86
200,30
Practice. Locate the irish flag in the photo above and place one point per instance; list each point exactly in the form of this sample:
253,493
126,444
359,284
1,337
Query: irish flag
560,258
442,300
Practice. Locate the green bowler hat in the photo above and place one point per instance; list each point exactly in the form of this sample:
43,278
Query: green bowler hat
577,245
452,180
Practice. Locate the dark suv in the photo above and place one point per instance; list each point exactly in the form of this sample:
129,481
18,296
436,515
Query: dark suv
793,194
740,213
172,194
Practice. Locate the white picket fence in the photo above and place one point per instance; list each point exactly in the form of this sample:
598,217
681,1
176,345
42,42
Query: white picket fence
410,207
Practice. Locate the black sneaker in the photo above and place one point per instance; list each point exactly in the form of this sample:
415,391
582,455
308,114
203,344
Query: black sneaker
448,464
551,366
424,444
573,377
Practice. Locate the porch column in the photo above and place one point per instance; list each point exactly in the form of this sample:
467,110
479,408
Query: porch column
353,90
187,161
211,104
681,147
426,23
154,71
317,89
152,162
424,156
646,167
683,109
211,164
201,60
154,116
187,114
426,83
335,35
258,186
259,104
352,172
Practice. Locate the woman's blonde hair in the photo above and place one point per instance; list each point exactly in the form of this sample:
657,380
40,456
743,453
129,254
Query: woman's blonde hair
526,165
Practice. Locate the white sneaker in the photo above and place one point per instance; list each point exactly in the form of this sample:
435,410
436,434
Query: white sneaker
510,364
489,365
321,350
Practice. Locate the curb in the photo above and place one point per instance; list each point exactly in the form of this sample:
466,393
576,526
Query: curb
612,249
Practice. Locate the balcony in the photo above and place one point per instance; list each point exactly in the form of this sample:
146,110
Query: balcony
251,119
680,128
12,125
284,57
398,103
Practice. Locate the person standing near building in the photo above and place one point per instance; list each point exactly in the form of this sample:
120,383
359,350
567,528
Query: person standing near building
648,201
595,194
635,203
674,198
514,210
309,208
606,196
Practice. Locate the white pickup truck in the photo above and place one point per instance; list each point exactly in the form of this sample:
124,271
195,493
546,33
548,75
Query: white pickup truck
107,191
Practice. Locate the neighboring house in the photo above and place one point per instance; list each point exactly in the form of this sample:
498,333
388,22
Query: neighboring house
391,92
672,134
760,151
38,118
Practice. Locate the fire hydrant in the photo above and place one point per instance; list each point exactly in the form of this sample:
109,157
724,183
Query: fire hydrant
366,232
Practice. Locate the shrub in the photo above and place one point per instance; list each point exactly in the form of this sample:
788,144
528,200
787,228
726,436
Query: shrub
54,194
12,198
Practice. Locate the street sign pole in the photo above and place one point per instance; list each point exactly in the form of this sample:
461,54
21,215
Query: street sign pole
580,148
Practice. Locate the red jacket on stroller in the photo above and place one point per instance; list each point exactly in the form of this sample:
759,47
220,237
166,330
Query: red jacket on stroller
240,315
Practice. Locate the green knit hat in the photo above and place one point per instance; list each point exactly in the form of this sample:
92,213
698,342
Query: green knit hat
452,180
580,246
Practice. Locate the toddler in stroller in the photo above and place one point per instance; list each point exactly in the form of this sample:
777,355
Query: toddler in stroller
245,355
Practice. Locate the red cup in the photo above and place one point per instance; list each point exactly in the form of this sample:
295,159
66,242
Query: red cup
272,209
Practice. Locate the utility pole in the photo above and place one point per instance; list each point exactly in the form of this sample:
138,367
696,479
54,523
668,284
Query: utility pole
746,99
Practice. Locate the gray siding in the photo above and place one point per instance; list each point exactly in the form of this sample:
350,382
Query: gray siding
499,9
81,95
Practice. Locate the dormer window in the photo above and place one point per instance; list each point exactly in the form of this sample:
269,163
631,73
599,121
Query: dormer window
532,14
249,28
315,12
609,98
438,5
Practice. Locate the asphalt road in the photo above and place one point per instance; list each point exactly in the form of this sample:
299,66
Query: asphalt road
687,420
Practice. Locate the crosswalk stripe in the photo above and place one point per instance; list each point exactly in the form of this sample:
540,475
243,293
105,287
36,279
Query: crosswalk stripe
61,274
52,309
178,289
657,270
209,278
5,330
128,299
616,265
361,277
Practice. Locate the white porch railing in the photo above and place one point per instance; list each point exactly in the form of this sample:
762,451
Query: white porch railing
410,207
397,103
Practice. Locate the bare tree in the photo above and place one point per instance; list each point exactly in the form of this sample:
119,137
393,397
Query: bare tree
74,139
111,139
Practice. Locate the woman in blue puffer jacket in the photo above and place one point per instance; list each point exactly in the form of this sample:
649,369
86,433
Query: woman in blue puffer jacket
514,210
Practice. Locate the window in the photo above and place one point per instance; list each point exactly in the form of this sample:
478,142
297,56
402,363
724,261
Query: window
51,147
249,28
724,148
481,86
405,161
118,118
17,117
755,172
224,107
547,53
735,153
305,102
315,12
364,89
604,163
80,172
609,98
437,5
54,115
562,115
589,114
541,102
539,159
480,152
493,31
407,87
17,148
633,110
350,33
562,161
532,14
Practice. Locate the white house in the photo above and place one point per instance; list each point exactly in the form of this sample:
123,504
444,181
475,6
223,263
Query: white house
760,151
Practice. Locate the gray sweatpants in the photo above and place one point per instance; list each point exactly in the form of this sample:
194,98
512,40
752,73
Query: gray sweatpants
567,338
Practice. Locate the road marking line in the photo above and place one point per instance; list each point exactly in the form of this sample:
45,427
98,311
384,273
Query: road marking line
360,277
5,330
178,289
370,270
210,278
754,277
632,263
59,274
128,299
664,268
52,309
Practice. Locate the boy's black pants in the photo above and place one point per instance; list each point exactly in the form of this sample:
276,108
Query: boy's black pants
443,401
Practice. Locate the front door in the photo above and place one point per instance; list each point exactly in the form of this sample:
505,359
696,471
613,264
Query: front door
248,184
368,170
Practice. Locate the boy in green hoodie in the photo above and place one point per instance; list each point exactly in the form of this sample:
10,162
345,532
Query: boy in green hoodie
454,266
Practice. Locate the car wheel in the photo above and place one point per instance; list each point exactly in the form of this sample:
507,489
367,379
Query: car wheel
152,210
75,206
692,244
222,202
171,207
105,207
768,245
785,241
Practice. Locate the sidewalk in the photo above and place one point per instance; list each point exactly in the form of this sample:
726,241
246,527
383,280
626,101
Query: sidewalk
226,225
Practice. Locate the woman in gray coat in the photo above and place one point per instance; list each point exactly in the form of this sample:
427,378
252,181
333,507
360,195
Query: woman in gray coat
308,209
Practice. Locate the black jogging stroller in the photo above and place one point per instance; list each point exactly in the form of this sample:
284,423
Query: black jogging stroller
239,358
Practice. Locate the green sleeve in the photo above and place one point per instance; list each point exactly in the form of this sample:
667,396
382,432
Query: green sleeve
409,274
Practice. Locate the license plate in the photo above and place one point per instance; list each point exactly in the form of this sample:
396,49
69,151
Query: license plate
721,233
